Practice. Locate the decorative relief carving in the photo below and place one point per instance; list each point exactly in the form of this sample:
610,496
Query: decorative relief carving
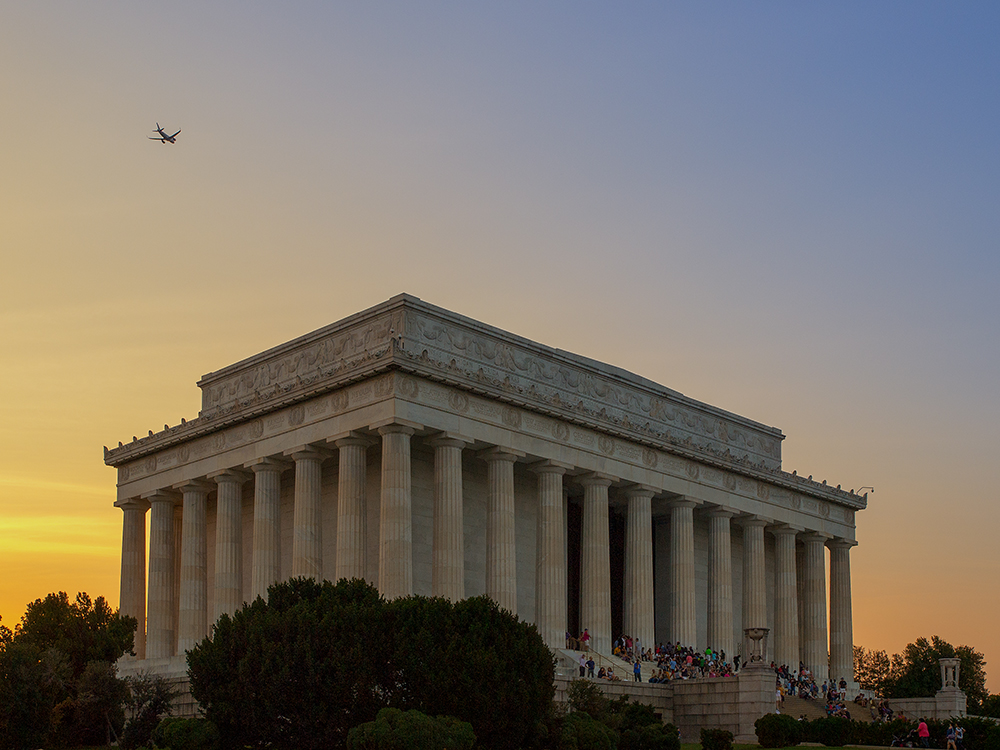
824,510
511,417
184,454
297,415
317,407
583,438
606,444
339,401
729,482
650,458
384,385
512,369
458,402
536,424
275,421
408,387
763,490
692,470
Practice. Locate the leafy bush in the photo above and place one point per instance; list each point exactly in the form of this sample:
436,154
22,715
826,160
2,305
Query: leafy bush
186,734
992,739
411,730
778,730
582,732
650,737
149,697
831,731
716,739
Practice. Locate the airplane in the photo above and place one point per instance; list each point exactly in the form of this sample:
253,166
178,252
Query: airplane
163,137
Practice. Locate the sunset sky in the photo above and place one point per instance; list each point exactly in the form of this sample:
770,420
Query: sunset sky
788,210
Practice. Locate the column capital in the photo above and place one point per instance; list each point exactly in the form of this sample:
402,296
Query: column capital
783,530
353,437
230,475
750,520
162,495
269,463
194,485
639,490
814,537
550,467
448,440
719,512
683,502
499,453
397,426
132,503
307,452
841,543
594,479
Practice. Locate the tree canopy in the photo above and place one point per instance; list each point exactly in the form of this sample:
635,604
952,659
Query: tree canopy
317,659
916,672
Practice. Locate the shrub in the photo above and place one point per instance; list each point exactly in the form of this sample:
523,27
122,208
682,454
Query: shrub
992,739
778,730
716,739
149,697
581,732
187,734
831,731
650,737
410,730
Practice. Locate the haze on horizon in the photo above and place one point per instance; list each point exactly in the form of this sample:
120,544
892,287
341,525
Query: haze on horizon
785,210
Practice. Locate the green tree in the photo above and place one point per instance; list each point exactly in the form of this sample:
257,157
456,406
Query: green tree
411,730
148,698
315,660
916,672
871,669
31,683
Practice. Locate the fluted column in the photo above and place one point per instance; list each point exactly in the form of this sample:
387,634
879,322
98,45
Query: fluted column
550,585
352,518
786,595
228,588
307,523
448,552
754,583
841,619
266,526
501,567
638,600
683,613
595,562
395,570
160,633
814,608
720,583
193,618
133,583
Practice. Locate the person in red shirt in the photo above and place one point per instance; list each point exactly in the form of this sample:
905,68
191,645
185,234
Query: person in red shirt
924,733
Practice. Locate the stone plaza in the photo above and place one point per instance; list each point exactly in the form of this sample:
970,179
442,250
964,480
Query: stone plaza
432,454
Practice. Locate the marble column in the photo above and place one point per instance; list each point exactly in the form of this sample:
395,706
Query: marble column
720,583
352,523
638,600
841,620
193,618
754,583
228,588
395,569
266,568
501,560
595,563
550,578
307,522
814,607
786,599
133,582
800,586
683,612
161,638
448,550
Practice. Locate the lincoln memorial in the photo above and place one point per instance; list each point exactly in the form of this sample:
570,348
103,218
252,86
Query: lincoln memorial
429,453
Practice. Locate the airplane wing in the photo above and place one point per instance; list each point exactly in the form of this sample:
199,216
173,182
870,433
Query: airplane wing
153,138
175,134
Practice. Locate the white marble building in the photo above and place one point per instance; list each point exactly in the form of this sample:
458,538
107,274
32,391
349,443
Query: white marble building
432,454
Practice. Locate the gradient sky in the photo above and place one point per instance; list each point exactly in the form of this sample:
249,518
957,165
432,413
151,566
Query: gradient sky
788,210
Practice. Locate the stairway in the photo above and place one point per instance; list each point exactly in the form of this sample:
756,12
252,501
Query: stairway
796,707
